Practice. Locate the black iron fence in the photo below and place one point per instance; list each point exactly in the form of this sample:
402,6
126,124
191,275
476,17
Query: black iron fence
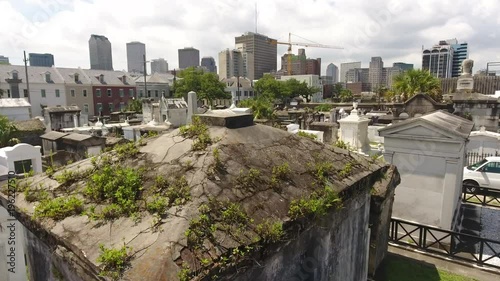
481,195
466,247
474,157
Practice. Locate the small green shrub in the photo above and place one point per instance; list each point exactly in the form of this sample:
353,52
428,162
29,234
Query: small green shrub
317,204
126,150
197,131
217,161
307,135
158,205
152,134
178,192
341,144
185,273
111,211
113,261
249,179
68,177
270,232
346,171
33,194
321,171
115,184
233,214
282,171
59,208
50,171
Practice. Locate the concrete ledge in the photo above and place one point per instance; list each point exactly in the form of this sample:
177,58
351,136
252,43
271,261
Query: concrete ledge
228,121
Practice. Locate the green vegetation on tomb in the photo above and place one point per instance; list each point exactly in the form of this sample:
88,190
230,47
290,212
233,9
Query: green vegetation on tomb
115,184
198,131
307,135
317,204
113,261
59,208
270,232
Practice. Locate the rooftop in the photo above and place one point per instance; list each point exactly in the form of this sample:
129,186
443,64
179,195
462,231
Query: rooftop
11,102
53,135
232,174
29,125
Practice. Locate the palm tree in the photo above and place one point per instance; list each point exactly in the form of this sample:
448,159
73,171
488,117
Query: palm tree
416,81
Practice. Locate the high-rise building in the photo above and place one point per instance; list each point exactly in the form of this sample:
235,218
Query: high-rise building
300,64
438,60
4,60
376,73
460,53
264,52
136,52
41,59
403,66
332,71
189,57
345,67
209,64
234,63
101,57
159,66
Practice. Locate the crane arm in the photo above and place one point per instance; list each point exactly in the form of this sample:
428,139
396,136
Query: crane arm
275,42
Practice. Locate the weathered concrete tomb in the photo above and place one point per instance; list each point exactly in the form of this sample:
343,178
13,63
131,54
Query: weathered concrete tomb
248,202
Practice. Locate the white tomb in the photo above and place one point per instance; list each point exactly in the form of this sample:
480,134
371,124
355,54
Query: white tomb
11,155
354,131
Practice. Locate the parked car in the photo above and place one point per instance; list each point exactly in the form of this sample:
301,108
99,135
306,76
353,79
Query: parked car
485,173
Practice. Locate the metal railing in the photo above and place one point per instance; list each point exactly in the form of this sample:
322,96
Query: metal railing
474,157
481,196
461,246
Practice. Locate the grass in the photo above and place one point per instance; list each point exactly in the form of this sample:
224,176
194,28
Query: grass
398,268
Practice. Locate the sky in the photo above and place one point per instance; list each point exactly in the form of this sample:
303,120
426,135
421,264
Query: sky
395,30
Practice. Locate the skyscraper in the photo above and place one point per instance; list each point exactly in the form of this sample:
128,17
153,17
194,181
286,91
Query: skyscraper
159,66
100,53
345,67
376,73
209,64
438,60
333,71
136,52
403,66
264,53
189,57
460,53
41,60
234,63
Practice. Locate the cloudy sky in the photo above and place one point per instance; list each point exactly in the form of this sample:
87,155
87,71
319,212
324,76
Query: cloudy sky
396,30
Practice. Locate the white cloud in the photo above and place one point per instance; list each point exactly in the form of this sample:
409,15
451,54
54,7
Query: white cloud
392,29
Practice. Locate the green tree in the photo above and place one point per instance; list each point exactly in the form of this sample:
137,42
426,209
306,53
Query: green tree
134,105
7,130
271,88
346,95
337,89
262,107
205,84
416,81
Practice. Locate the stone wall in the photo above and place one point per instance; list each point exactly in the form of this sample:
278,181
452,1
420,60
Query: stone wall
380,217
333,248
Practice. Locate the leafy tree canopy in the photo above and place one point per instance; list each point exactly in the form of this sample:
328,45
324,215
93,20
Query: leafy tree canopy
271,88
205,84
7,130
134,105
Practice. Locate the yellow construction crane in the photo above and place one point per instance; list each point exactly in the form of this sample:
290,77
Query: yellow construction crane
290,43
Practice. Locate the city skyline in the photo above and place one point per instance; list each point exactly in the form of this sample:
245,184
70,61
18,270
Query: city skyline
386,29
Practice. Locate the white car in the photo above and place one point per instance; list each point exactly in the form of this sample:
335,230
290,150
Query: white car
485,173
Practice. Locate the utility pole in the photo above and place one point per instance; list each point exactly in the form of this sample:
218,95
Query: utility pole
145,73
238,92
27,80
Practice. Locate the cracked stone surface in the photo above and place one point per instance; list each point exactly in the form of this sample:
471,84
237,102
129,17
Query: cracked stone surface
157,253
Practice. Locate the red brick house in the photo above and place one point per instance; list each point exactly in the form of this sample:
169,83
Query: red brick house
112,90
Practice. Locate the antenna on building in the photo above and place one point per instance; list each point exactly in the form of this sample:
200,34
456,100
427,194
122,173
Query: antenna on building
256,17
